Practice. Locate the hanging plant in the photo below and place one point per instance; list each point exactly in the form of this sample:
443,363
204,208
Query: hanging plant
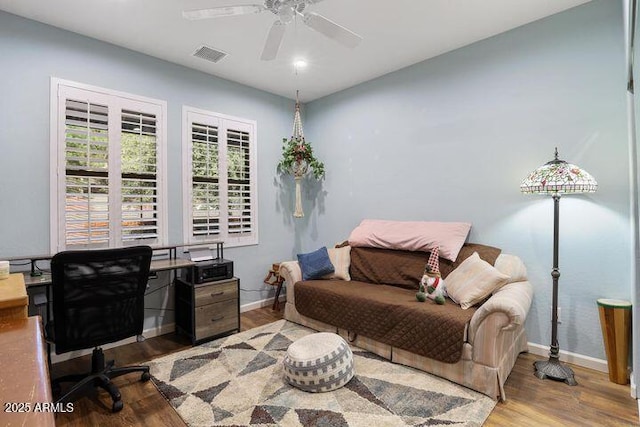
297,158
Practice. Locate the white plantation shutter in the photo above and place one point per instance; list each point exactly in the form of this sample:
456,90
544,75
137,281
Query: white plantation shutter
239,197
139,186
108,184
205,202
86,182
220,178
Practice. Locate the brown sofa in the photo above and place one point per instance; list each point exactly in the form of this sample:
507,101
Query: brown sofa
377,310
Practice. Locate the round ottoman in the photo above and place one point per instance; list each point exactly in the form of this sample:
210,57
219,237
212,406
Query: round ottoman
318,362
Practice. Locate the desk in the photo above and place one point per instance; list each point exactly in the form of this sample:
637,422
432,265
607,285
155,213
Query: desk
25,375
156,266
170,264
173,263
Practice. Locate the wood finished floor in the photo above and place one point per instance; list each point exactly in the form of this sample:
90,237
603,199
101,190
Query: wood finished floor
531,402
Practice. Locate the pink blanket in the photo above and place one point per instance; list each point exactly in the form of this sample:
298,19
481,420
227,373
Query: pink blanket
412,236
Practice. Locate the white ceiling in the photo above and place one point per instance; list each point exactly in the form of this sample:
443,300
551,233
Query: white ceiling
396,33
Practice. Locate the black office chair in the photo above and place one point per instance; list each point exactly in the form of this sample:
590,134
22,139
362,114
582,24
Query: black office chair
98,298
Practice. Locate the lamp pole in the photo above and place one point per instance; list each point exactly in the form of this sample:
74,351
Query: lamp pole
552,368
555,275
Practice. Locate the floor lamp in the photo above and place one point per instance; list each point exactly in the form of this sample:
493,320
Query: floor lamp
555,178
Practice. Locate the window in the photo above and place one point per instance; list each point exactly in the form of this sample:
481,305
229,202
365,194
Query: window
108,179
219,175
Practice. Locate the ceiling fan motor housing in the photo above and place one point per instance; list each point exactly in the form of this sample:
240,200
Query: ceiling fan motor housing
285,8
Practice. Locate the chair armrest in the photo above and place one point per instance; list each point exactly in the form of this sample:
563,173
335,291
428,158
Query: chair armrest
512,300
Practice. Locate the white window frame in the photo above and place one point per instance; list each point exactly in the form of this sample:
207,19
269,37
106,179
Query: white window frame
119,100
223,122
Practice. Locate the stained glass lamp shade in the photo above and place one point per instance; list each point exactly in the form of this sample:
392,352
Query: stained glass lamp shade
558,176
555,178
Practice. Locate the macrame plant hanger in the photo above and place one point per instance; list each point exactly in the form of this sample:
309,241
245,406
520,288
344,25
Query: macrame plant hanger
300,167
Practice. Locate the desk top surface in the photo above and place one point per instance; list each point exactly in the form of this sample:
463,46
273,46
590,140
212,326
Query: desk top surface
24,378
156,265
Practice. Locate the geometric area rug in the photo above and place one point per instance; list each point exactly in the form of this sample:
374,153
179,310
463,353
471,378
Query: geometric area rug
238,381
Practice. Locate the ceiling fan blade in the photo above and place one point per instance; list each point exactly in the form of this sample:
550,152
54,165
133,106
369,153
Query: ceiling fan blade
274,39
218,12
331,29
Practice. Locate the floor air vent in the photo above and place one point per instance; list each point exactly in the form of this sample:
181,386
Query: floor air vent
209,54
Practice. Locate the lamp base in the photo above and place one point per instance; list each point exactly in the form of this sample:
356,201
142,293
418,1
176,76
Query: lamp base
554,370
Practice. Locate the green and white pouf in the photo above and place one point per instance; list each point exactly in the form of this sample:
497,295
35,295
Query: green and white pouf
319,362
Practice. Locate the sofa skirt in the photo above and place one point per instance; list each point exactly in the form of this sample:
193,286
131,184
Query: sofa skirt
485,379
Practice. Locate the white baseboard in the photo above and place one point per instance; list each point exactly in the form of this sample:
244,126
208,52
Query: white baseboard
573,358
147,333
262,303
155,331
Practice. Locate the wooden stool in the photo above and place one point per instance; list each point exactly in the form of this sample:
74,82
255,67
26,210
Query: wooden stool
274,279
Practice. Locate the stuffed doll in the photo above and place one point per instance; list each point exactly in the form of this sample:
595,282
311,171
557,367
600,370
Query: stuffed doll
421,295
434,285
431,281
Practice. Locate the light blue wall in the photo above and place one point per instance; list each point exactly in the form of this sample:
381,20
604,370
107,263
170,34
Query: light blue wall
451,139
447,139
30,53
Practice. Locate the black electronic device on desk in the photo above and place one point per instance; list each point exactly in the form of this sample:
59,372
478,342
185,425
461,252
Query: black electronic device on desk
208,268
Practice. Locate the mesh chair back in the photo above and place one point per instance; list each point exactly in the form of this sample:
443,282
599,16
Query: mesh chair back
98,296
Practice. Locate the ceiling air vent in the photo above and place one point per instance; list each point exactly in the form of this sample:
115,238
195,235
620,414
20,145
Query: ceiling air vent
209,54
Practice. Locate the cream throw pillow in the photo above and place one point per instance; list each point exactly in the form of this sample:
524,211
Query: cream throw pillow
341,260
473,281
512,266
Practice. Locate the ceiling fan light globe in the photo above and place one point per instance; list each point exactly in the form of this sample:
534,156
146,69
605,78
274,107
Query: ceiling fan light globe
286,14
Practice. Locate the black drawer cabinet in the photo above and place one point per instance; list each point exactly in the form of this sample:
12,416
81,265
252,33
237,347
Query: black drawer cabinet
207,310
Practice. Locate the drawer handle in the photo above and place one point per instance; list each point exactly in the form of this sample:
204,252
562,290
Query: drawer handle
215,319
217,294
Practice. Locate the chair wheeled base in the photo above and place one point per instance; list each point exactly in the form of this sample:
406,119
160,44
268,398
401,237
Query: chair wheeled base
100,376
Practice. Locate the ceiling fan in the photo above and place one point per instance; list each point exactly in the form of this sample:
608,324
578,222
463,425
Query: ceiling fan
286,11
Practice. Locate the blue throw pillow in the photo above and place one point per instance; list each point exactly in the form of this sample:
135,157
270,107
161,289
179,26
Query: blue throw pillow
315,264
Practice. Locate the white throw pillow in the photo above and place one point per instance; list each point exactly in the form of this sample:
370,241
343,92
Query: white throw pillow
473,281
341,260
